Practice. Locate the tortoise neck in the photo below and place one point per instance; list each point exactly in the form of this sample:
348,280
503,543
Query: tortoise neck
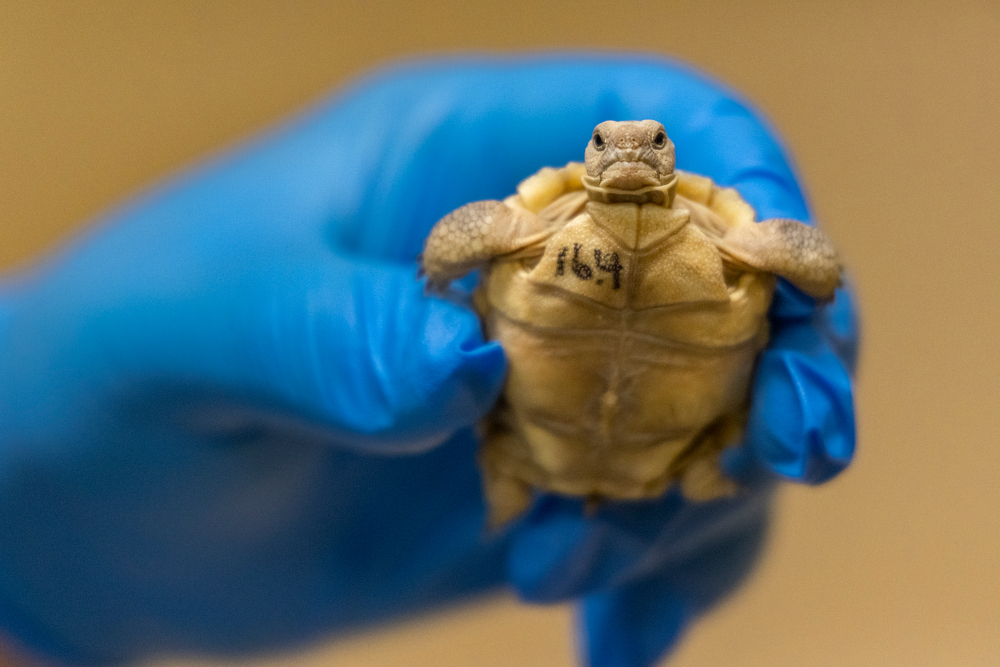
662,194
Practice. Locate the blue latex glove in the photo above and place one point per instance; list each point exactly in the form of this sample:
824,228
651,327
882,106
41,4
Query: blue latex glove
231,420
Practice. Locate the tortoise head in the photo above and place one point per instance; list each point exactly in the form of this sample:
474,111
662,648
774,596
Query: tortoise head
630,155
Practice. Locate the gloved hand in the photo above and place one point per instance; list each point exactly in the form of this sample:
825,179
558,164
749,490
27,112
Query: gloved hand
230,419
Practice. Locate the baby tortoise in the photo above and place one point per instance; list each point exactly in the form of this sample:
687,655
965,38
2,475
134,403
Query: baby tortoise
631,301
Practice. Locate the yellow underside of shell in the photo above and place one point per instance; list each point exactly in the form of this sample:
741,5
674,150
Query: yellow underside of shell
631,345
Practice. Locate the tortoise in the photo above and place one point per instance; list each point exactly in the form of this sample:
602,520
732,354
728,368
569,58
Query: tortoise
630,299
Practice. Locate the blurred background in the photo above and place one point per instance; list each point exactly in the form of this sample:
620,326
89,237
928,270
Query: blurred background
892,113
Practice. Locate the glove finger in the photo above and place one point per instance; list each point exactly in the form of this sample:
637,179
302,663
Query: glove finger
558,553
802,417
350,349
630,628
838,324
636,624
357,347
396,371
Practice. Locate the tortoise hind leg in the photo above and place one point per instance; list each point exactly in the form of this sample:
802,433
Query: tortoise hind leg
507,498
701,477
507,495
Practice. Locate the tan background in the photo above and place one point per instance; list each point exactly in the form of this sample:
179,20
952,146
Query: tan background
893,115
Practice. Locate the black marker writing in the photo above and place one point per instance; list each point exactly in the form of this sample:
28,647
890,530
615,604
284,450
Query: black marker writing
561,261
613,266
608,262
582,271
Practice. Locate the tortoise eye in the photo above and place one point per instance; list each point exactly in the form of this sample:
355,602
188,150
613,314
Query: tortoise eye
598,142
660,139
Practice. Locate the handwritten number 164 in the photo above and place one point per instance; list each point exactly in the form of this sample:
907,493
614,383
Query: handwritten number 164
606,262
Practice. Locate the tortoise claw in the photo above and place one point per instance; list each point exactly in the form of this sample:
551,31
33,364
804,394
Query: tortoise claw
438,286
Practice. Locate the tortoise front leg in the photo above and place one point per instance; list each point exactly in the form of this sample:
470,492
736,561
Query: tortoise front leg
471,236
801,254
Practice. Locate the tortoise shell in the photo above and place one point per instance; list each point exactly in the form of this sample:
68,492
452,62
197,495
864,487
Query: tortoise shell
630,299
631,344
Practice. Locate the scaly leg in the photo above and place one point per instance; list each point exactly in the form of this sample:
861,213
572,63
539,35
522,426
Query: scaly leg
801,254
507,495
701,477
472,235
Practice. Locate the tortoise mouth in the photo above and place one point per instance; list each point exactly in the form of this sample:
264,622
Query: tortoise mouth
627,175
